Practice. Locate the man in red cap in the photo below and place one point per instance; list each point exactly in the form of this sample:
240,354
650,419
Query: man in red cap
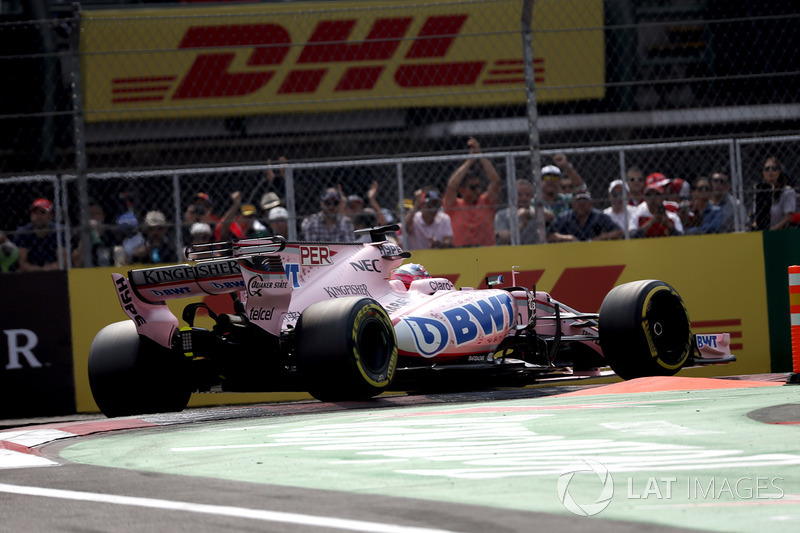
651,218
38,241
200,210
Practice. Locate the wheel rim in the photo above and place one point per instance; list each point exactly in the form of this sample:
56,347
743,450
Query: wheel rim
666,328
374,346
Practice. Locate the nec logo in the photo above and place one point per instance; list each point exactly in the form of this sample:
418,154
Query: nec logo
267,46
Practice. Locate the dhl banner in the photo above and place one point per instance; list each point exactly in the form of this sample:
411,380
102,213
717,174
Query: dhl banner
201,61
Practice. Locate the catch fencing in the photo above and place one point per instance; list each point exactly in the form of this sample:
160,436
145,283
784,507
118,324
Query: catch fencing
396,179
136,103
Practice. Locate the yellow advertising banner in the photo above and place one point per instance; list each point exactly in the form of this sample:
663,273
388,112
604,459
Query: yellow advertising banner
295,57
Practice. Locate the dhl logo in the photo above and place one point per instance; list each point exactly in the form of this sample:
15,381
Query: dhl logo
424,64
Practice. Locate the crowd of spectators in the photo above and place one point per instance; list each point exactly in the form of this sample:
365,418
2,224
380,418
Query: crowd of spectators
469,211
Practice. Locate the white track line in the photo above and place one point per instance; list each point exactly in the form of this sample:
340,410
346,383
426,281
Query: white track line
220,510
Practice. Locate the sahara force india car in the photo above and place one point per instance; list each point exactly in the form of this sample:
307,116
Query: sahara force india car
326,318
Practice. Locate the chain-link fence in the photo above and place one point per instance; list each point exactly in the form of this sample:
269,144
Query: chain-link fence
140,106
122,201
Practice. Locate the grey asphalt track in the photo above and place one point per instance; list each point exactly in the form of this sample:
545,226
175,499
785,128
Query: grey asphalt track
127,497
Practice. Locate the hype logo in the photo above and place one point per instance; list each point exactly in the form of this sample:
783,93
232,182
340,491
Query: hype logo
430,335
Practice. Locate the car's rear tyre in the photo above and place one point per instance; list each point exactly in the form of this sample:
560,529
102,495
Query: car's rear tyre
645,330
130,374
346,349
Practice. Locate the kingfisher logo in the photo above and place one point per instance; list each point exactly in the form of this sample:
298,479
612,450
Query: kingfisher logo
265,50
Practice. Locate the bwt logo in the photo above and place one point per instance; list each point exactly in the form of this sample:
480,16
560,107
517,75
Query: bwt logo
706,340
463,324
267,46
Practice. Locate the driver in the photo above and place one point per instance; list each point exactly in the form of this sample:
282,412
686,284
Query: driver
409,272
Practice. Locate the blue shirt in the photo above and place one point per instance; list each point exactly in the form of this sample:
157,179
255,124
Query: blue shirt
596,223
41,250
712,221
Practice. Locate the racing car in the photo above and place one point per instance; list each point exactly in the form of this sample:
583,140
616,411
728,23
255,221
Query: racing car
326,318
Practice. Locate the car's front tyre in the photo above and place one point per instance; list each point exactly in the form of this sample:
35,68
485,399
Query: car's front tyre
645,330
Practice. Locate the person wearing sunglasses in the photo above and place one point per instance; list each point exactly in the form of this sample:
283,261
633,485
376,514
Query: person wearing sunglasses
783,204
619,210
329,224
553,198
652,218
426,225
471,207
707,216
526,217
729,204
634,178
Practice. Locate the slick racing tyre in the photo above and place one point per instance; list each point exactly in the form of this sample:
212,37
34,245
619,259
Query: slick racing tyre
346,349
130,374
645,330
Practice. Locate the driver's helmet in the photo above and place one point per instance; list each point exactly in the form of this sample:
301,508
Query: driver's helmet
410,272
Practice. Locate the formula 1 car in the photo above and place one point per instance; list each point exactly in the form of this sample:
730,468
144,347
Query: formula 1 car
327,319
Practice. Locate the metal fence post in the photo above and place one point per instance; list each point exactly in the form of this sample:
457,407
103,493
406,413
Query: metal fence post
533,117
80,139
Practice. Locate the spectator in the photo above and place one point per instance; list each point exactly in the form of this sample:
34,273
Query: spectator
707,215
276,182
38,241
200,210
721,196
784,197
132,239
553,198
279,221
201,233
525,217
583,222
364,219
619,210
570,179
634,177
328,224
269,201
426,225
239,221
157,248
651,218
102,238
472,214
9,254
353,206
385,216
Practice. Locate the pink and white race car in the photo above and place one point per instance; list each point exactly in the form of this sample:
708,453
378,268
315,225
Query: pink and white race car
327,319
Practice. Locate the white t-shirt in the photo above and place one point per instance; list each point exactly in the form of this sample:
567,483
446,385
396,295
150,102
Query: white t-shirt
619,218
422,234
